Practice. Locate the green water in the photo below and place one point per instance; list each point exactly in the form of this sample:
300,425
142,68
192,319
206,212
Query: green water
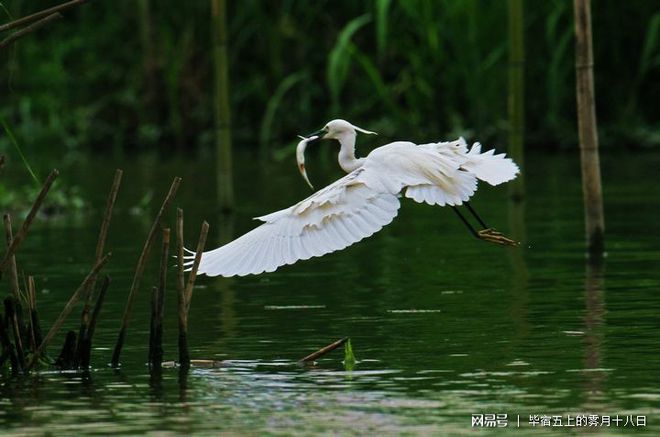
443,326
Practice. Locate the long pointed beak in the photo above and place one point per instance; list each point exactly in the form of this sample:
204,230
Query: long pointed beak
300,156
319,134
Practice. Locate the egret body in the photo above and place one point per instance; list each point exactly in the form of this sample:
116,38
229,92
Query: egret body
362,202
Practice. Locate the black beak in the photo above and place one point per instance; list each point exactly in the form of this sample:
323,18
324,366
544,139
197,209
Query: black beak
319,133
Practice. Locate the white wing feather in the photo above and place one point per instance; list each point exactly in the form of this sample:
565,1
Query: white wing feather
486,166
331,219
494,169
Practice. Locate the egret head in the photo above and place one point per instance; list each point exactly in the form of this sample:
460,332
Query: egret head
338,128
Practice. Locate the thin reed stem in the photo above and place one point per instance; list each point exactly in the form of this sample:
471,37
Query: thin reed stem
324,350
67,310
13,271
185,294
100,248
28,29
198,258
23,231
35,329
41,14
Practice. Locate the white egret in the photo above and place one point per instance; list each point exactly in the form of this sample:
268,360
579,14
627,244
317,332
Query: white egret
362,202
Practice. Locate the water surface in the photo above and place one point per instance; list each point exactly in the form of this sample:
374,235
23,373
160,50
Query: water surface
443,326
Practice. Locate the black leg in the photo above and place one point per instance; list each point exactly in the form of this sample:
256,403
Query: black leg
467,224
474,213
486,234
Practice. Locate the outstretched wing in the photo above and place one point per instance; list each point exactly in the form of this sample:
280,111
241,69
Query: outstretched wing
331,219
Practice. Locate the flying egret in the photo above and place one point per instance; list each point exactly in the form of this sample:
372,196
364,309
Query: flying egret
362,202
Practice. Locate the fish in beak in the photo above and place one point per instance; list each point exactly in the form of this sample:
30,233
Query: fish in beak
300,156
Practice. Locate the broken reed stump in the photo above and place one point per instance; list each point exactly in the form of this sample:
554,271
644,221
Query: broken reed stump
100,248
85,351
319,353
8,347
184,357
158,307
22,233
587,127
139,271
13,271
11,316
66,359
185,293
67,310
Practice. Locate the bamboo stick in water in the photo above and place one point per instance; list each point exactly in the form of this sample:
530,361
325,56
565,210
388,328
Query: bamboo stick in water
589,157
222,109
516,101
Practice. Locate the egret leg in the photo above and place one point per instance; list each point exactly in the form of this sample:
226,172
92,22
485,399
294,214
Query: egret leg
465,222
474,213
486,234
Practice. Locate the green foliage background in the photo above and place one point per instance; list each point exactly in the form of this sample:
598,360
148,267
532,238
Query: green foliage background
137,75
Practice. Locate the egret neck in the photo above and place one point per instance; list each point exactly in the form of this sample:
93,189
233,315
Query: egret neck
347,160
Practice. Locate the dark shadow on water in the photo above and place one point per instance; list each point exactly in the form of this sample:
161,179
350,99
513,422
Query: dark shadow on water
593,329
183,384
156,384
520,275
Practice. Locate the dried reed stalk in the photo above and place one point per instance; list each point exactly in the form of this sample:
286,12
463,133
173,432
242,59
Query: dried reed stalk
139,271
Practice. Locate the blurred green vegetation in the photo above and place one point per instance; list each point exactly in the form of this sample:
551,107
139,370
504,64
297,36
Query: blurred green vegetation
137,75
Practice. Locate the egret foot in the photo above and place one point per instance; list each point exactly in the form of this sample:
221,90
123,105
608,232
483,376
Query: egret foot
493,236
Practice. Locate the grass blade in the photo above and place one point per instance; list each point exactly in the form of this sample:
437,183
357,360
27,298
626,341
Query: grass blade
13,141
339,58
